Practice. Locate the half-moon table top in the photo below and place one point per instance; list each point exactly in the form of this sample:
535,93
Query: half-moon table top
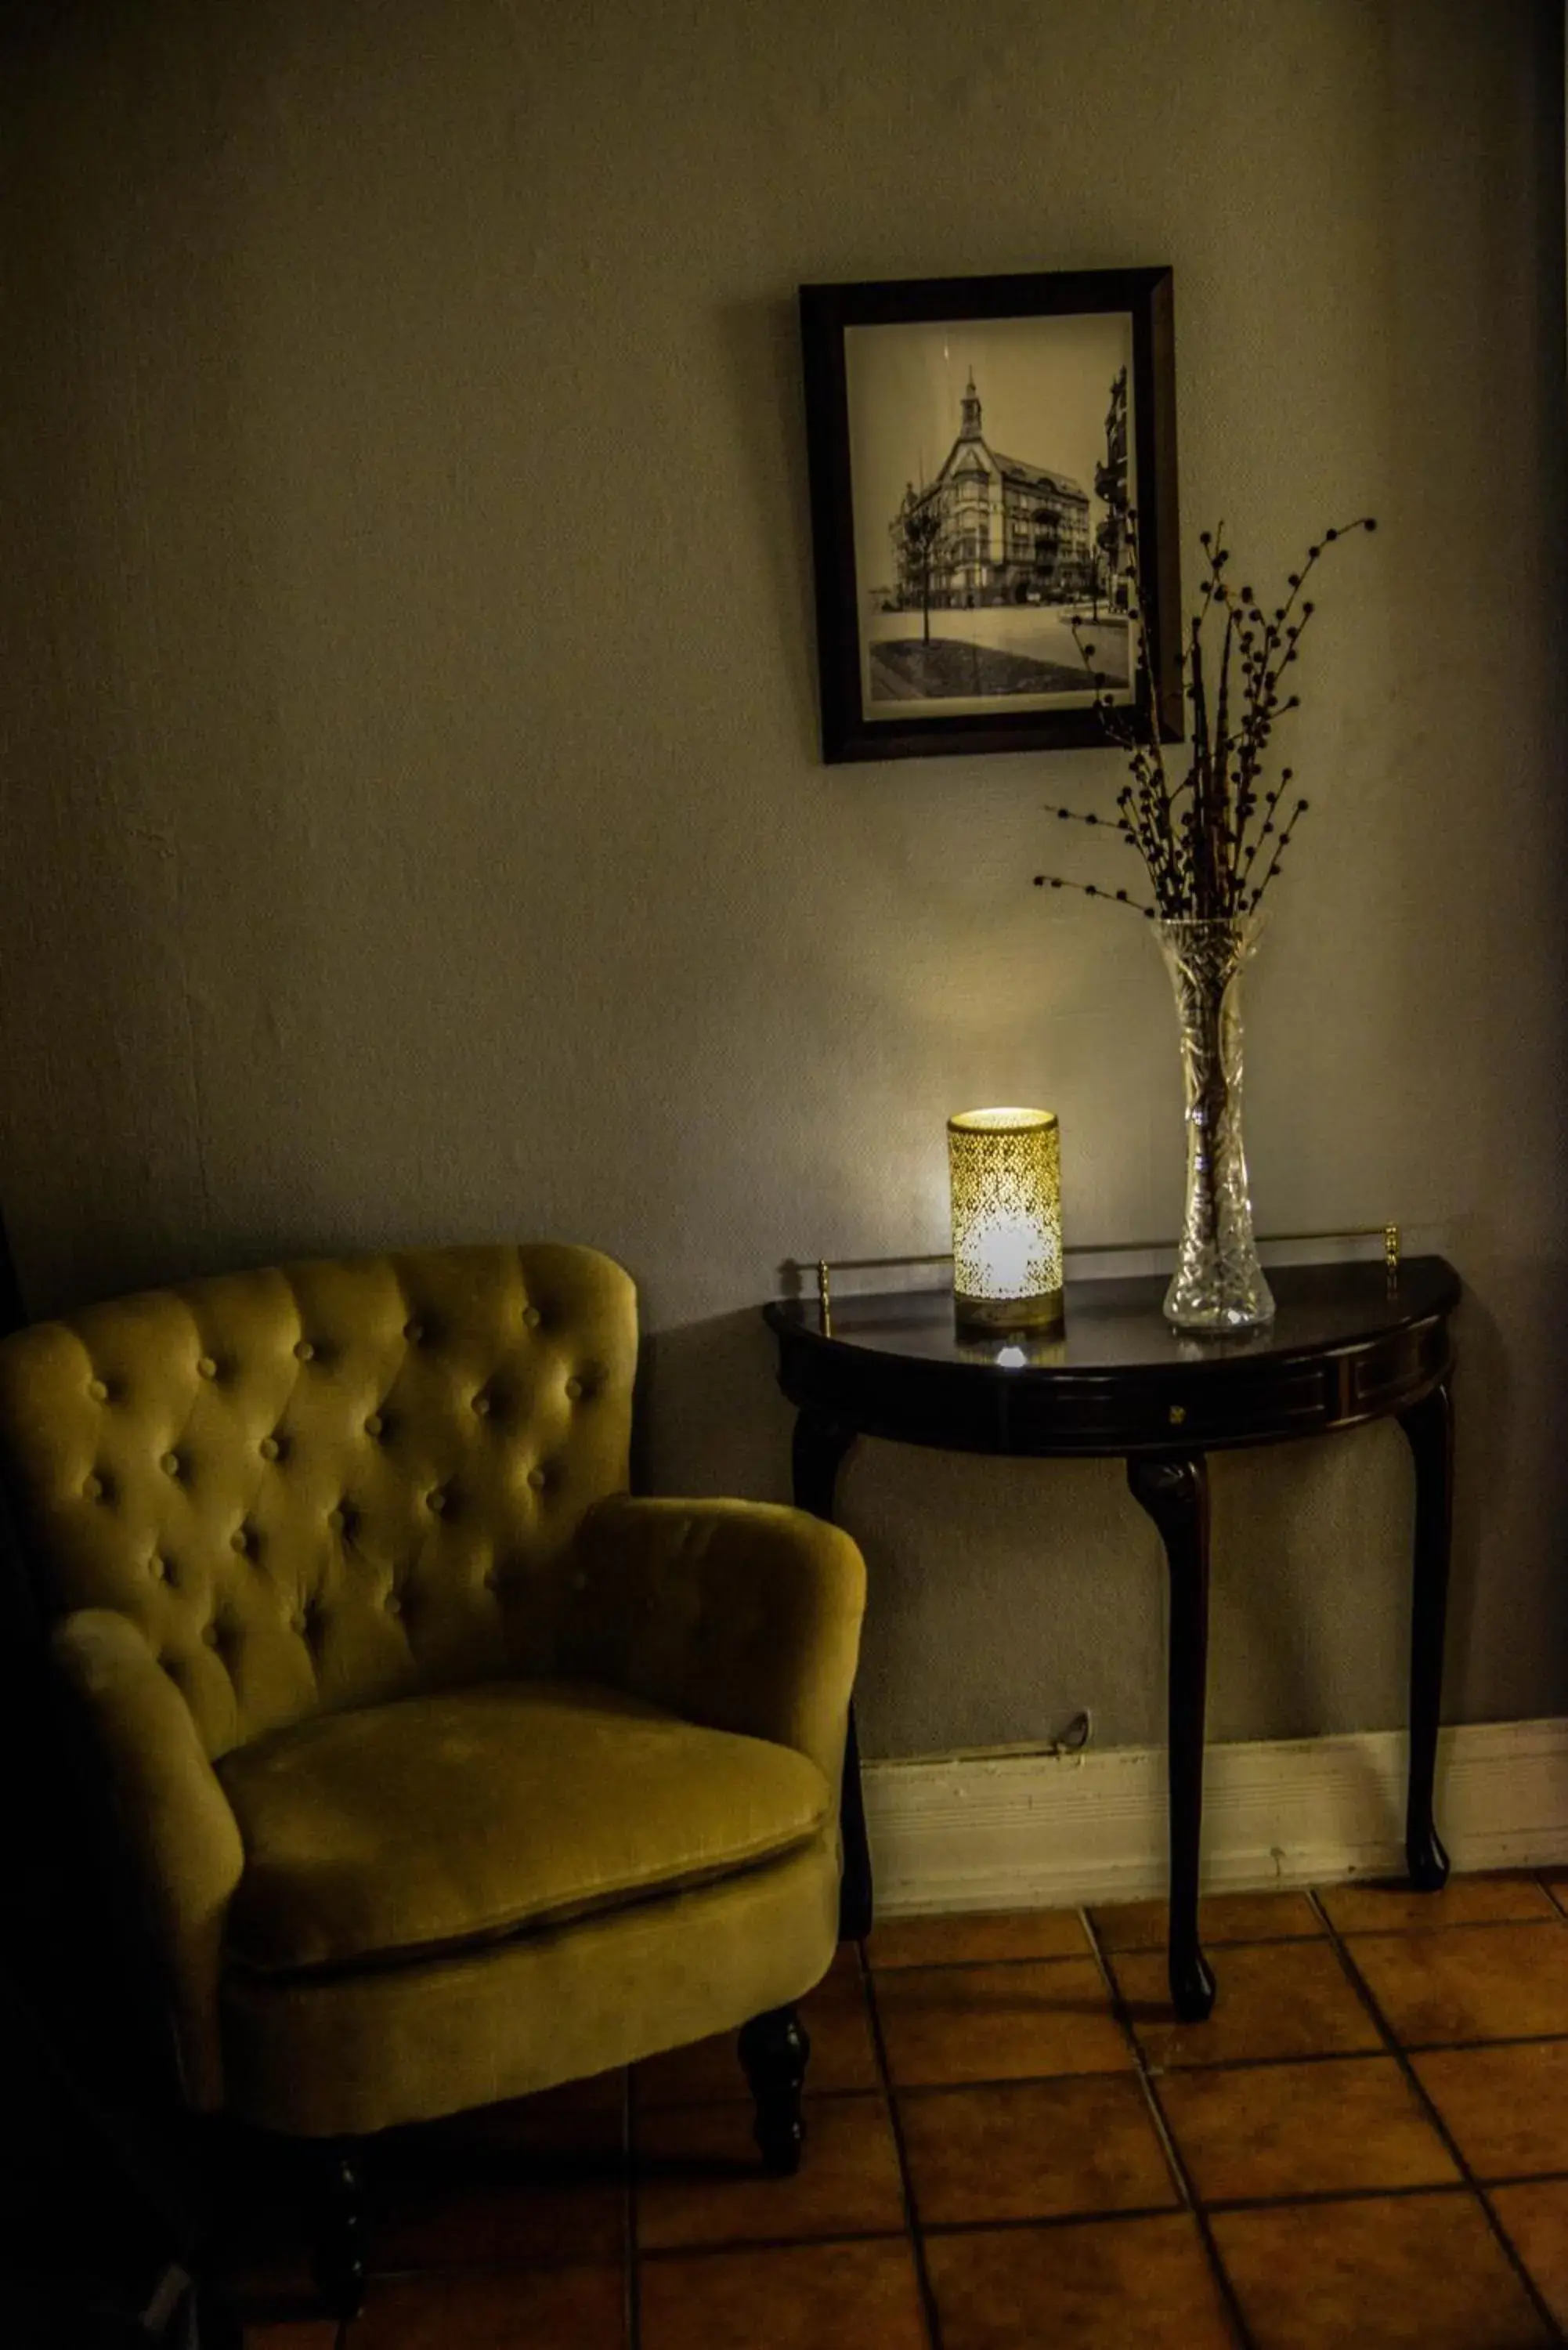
1349,1342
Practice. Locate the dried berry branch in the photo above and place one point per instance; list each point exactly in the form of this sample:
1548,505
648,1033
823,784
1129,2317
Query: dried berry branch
1203,835
1089,890
1104,823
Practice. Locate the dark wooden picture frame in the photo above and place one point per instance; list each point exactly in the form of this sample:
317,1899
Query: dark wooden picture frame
1041,557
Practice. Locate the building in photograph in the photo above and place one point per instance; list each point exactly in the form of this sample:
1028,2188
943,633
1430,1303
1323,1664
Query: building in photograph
990,529
1111,489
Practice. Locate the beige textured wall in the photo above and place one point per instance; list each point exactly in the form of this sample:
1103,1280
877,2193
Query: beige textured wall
413,824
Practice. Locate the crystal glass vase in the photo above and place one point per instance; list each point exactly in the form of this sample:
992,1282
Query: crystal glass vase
1219,1283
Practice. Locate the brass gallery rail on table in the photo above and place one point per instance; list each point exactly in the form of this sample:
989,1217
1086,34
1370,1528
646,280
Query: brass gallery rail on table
1349,1343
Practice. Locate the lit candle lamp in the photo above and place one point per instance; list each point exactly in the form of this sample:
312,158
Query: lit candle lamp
1005,1170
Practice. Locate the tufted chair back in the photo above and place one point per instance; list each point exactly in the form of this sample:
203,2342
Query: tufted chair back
326,1484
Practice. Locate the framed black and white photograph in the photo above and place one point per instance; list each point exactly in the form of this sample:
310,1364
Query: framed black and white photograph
987,456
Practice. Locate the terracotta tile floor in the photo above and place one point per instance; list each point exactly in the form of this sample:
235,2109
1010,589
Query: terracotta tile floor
1012,2142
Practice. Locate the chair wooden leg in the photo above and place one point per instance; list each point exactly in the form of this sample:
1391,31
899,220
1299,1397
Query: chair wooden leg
338,2226
775,2049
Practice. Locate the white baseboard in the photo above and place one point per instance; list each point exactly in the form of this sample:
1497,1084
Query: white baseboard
1042,1831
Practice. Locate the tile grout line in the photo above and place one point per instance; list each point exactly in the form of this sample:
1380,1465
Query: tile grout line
657,2255
1306,2196
1184,2186
1174,2163
1554,1915
1503,2040
1428,2107
913,2230
1052,2223
1213,2065
1549,1888
1046,2222
1071,1957
1478,1926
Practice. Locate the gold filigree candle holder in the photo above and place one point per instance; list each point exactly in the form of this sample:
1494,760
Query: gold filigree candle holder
1004,1167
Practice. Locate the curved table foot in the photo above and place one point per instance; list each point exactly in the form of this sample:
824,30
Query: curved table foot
1191,1986
1427,1860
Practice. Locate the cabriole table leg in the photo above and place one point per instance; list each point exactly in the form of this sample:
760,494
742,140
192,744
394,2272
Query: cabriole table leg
1428,1428
820,1444
1175,1493
855,1891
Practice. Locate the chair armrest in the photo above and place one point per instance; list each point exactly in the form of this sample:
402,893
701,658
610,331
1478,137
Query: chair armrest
743,1616
172,1810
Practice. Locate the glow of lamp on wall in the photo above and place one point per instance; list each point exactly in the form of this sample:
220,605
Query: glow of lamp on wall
1005,1171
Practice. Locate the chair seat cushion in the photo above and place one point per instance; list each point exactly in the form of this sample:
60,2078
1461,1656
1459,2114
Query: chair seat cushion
401,1830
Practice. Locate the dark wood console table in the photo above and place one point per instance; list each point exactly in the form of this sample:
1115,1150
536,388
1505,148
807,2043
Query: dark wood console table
1350,1343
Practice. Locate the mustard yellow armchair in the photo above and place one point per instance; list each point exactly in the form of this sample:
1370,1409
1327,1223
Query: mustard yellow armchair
449,1770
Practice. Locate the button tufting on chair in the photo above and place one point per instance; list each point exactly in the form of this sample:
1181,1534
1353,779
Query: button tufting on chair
92,1488
346,1852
